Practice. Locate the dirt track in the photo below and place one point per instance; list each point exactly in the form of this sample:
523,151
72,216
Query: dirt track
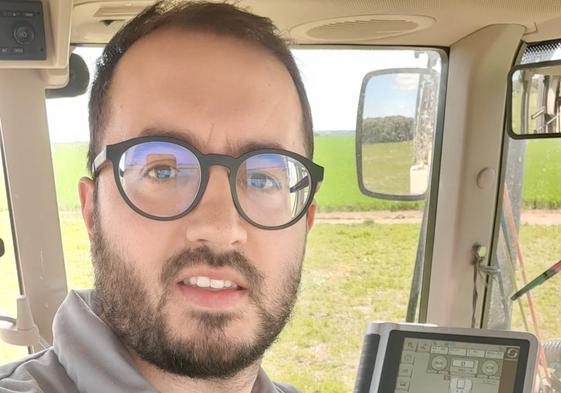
530,217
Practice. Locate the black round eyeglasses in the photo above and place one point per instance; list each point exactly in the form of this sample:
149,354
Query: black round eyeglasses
164,178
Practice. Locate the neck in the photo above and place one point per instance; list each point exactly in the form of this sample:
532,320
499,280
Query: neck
165,382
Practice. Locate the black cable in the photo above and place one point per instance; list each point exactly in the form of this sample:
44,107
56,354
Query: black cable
8,319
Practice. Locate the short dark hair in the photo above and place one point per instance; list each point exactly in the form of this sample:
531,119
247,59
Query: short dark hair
217,18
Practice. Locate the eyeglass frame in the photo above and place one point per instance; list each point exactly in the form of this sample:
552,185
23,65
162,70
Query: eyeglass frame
113,153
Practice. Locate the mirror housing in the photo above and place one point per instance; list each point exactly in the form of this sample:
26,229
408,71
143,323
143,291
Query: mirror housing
395,132
78,79
534,101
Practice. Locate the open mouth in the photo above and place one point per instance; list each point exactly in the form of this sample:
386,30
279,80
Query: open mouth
210,283
212,292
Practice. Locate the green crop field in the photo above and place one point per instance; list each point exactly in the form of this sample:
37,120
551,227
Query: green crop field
541,180
69,163
340,191
542,175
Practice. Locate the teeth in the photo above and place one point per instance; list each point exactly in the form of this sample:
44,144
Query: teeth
217,284
206,282
203,282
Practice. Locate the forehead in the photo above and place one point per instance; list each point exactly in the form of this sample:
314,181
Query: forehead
219,93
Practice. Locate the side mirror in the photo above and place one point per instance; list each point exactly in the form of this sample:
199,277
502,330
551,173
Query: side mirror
534,101
395,131
78,79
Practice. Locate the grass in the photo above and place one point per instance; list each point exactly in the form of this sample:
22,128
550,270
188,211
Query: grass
343,288
352,274
541,249
386,167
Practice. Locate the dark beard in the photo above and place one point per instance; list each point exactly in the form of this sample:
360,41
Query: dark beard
123,302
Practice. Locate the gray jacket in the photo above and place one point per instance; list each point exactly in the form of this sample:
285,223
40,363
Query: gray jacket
87,357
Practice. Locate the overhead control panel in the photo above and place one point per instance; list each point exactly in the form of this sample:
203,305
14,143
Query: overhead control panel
22,31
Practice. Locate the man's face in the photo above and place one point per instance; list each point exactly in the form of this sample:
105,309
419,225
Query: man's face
222,96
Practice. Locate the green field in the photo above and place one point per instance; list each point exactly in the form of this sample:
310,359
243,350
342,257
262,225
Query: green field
541,179
69,163
339,191
542,175
386,166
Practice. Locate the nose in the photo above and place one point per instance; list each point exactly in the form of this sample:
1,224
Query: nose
215,222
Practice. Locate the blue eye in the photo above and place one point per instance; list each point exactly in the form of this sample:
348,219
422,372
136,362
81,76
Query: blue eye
162,173
262,181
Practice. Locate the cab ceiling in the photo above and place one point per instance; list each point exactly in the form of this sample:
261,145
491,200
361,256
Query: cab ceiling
380,22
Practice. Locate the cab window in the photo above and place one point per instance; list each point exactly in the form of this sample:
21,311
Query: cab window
528,237
366,253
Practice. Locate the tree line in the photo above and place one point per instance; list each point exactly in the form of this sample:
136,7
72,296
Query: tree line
388,129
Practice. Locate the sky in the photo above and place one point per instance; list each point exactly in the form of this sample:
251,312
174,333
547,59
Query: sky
399,98
333,79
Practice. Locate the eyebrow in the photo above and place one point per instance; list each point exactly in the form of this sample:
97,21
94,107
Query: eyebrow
188,137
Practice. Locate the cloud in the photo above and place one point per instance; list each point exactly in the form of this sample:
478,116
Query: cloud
406,81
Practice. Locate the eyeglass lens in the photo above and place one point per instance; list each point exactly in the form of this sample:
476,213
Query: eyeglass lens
163,180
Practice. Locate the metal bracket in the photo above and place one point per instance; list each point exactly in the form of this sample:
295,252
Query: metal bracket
480,255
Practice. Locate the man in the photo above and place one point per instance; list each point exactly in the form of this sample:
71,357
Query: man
197,211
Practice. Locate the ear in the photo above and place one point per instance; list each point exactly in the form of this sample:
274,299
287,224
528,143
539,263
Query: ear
311,215
86,191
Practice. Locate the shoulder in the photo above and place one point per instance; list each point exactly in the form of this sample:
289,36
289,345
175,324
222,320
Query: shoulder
285,388
37,373
264,385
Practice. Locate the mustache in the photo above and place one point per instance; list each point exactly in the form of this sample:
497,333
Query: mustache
205,256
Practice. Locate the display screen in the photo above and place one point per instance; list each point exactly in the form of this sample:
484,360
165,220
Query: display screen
438,364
